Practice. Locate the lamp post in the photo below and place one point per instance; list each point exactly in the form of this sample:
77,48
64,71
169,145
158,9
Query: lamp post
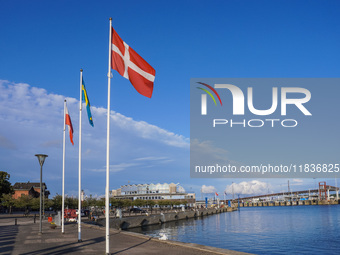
43,204
41,158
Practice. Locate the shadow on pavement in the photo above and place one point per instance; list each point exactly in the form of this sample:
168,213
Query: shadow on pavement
134,246
76,247
7,238
67,248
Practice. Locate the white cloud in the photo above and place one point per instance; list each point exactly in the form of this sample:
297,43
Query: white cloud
6,143
296,182
208,189
151,158
52,143
32,122
253,187
205,151
116,168
23,103
156,160
148,131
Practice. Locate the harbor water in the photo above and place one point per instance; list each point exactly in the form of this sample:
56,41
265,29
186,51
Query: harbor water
261,230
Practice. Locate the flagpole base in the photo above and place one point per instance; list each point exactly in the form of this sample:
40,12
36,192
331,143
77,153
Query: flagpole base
79,240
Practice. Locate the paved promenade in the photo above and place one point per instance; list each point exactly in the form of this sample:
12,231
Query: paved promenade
24,239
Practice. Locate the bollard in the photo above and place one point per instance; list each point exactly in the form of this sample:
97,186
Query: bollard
15,222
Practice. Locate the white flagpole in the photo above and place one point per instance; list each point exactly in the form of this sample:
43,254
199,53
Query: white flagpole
63,185
79,174
107,209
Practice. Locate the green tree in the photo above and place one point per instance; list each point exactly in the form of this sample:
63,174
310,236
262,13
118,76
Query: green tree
162,203
116,202
8,201
177,203
56,202
89,201
139,202
48,204
5,185
100,202
24,202
127,203
71,203
35,203
150,203
84,204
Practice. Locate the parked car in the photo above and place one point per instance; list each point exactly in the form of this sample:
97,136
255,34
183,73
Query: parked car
137,210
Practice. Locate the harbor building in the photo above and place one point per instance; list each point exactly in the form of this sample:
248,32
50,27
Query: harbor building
159,191
29,189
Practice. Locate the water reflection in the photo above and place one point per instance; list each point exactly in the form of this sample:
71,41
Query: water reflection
261,230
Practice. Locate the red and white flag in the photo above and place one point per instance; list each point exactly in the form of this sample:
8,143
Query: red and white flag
130,65
68,122
216,193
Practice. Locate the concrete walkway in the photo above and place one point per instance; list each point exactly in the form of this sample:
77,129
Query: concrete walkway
24,239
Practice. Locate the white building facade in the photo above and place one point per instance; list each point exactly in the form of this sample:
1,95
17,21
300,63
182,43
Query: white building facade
159,191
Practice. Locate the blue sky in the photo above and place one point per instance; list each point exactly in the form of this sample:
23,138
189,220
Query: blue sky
45,43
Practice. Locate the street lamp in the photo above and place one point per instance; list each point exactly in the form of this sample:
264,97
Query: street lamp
43,204
41,158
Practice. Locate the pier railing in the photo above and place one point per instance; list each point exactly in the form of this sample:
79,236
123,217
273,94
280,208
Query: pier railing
288,203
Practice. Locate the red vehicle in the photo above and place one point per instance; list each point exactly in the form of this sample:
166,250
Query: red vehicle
70,214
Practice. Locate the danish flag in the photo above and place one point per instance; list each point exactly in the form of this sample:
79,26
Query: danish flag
130,65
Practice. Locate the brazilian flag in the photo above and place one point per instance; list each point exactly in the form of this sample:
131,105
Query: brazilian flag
87,102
